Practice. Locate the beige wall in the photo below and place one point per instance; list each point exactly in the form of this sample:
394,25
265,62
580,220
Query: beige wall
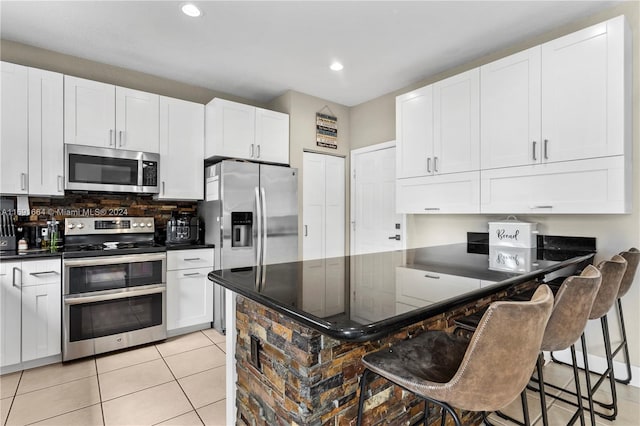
31,56
302,111
374,122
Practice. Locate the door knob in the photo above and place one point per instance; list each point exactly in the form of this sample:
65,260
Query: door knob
395,237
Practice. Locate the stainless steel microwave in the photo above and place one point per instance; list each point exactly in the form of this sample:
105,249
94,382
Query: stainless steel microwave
91,168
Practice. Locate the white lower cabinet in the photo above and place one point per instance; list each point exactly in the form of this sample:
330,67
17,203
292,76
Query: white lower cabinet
450,193
416,288
189,291
595,186
30,319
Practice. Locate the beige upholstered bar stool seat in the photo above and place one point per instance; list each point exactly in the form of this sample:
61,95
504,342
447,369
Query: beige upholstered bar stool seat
485,373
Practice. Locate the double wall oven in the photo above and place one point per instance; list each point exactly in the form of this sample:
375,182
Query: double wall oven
114,285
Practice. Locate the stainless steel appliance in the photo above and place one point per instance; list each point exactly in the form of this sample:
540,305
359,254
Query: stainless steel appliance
91,168
184,229
250,213
114,285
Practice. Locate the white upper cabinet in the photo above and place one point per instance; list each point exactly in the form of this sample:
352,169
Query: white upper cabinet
46,147
414,132
568,99
272,136
181,150
235,130
510,105
456,123
15,131
103,115
437,127
586,87
32,147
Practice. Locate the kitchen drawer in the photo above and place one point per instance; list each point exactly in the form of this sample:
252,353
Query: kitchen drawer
414,286
38,272
189,259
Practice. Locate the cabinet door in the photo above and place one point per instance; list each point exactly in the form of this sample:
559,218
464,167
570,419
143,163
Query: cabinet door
451,193
272,136
189,259
137,120
456,123
600,185
41,319
189,298
510,105
230,129
89,112
414,132
14,141
10,313
585,92
181,150
46,143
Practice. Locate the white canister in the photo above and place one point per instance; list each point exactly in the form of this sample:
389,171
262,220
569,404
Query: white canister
512,259
513,233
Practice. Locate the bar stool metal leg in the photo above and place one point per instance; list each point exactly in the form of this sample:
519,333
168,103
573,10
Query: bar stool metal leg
623,345
588,379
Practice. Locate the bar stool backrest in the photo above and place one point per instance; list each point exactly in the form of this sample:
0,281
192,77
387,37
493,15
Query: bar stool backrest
571,309
612,272
632,256
501,354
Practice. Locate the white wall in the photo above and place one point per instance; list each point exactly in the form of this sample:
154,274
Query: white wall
374,122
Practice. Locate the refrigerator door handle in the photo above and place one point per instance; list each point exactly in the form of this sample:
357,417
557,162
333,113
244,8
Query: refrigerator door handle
259,217
264,234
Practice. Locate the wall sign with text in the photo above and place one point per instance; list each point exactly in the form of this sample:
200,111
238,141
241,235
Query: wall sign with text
326,131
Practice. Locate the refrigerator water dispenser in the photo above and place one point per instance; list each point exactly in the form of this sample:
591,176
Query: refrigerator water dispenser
241,229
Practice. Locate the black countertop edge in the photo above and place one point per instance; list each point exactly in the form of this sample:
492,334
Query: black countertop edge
385,327
171,247
28,255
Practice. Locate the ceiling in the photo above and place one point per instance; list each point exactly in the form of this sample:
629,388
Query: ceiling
258,50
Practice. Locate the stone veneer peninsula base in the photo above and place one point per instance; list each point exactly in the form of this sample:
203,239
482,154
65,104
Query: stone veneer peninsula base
307,378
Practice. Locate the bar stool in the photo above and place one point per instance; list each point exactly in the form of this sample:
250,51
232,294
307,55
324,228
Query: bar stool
612,272
632,256
485,373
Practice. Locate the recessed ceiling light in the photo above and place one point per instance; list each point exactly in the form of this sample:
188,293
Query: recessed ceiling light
336,66
191,10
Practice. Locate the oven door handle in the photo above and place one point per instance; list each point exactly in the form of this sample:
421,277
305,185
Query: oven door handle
110,260
78,300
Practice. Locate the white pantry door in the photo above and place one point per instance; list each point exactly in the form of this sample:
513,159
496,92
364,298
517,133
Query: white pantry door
375,225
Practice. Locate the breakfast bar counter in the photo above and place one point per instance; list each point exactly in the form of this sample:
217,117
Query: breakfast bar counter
301,328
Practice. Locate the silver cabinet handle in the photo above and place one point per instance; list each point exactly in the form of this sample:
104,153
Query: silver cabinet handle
435,164
395,237
192,274
433,277
111,140
306,231
191,259
60,188
37,274
23,181
546,149
251,150
258,151
429,165
432,208
541,207
120,136
14,277
533,151
162,187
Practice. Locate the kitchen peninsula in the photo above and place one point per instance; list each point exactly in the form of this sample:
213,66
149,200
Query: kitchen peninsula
301,335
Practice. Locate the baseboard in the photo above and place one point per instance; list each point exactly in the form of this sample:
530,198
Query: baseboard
31,364
598,364
189,329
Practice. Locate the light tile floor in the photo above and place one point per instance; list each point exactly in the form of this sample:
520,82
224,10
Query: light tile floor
180,381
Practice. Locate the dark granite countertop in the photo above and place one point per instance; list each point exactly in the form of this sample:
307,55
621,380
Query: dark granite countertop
28,254
364,297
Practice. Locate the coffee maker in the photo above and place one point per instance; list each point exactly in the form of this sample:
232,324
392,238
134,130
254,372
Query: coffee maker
183,229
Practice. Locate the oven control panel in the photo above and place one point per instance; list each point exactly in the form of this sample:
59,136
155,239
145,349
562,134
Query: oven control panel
108,225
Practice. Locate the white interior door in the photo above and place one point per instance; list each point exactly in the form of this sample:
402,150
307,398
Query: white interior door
375,225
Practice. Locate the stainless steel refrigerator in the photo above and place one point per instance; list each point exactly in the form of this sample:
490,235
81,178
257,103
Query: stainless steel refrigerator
250,213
